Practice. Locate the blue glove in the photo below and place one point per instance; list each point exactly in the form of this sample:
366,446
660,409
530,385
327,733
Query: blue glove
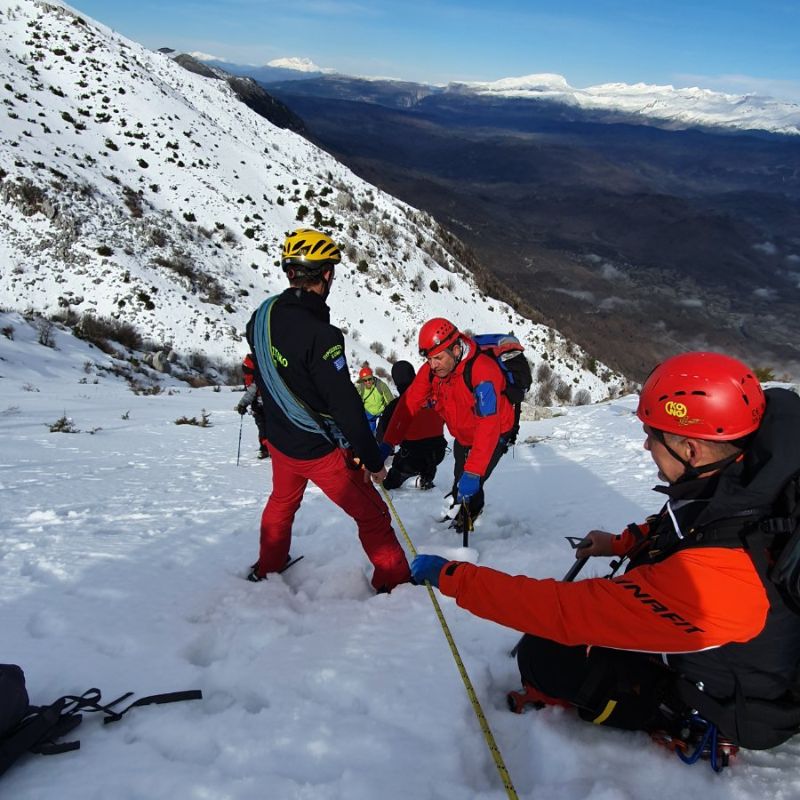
468,485
386,450
427,568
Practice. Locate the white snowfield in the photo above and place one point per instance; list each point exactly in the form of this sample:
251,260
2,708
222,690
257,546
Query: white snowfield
123,549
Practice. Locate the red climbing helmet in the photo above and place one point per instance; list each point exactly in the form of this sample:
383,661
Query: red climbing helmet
435,335
365,374
702,395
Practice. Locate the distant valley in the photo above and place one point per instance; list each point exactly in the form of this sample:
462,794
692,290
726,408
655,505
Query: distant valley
635,240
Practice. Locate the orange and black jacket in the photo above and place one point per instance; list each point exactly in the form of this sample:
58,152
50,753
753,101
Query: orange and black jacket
452,399
691,592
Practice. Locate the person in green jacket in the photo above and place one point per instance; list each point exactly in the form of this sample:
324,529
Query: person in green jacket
375,395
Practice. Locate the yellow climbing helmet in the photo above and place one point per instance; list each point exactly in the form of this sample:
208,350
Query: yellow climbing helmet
307,253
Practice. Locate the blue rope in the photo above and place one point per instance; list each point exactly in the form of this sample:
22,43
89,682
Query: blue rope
278,390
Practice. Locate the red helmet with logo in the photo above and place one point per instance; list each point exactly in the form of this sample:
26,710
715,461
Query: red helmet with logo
704,396
366,372
435,335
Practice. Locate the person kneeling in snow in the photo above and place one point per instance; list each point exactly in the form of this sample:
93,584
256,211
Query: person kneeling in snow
423,448
694,640
480,419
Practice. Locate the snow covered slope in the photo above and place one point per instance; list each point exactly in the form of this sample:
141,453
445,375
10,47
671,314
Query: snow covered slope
123,550
133,189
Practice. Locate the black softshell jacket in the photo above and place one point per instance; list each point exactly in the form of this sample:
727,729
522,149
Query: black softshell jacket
310,357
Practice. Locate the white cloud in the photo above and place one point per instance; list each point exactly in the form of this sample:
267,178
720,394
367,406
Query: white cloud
766,247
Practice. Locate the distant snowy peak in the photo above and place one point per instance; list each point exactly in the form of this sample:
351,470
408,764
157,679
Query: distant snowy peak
685,107
298,64
539,83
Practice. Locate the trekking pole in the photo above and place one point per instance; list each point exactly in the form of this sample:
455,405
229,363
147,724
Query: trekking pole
239,448
473,698
572,573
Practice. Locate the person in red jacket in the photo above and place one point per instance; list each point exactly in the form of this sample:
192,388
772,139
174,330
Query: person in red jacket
694,622
252,400
480,420
423,448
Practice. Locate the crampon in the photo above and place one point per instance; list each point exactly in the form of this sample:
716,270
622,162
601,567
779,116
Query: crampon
528,696
699,740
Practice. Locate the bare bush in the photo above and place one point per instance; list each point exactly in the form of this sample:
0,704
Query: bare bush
99,330
582,397
203,422
45,328
563,391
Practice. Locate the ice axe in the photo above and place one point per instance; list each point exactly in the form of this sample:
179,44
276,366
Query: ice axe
572,573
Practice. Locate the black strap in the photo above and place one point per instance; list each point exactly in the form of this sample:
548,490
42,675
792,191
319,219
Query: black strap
153,699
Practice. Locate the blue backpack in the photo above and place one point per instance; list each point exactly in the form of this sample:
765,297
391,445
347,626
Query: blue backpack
509,354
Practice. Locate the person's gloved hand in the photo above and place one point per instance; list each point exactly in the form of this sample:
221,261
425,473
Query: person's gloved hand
241,408
468,485
386,450
427,568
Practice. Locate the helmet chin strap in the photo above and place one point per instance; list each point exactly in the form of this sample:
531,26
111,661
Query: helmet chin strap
462,348
690,471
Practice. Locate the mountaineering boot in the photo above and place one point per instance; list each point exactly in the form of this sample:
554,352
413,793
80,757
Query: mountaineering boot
424,483
254,577
263,452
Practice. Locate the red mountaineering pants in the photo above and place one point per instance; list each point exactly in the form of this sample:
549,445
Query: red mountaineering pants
346,487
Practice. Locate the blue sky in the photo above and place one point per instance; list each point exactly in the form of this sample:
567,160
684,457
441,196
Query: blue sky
727,45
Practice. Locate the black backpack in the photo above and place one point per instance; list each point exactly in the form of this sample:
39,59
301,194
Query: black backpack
36,729
773,540
781,531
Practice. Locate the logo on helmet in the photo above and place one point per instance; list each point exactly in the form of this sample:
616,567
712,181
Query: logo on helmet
674,409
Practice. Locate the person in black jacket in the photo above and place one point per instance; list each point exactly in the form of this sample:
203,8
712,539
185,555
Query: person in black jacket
314,418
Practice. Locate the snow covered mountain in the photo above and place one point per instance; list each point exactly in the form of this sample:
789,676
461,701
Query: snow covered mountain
298,64
661,106
137,191
679,108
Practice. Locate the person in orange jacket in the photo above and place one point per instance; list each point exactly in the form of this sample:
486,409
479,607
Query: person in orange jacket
480,420
694,622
